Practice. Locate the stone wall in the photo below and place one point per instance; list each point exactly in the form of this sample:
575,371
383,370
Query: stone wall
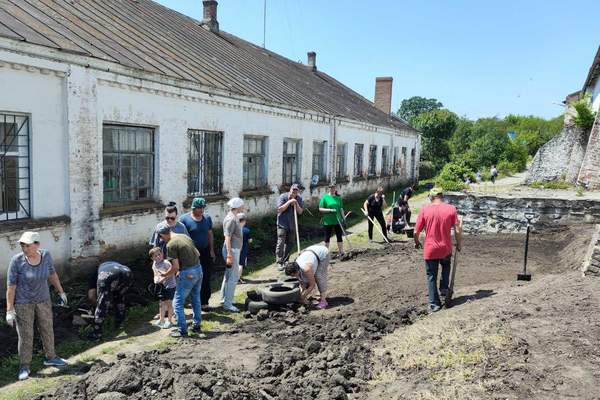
560,158
591,263
497,214
590,167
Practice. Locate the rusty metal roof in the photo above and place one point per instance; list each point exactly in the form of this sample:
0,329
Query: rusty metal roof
144,35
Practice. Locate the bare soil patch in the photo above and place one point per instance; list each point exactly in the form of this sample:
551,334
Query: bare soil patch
377,342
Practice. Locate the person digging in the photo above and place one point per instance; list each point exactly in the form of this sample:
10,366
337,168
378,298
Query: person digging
310,267
437,219
107,287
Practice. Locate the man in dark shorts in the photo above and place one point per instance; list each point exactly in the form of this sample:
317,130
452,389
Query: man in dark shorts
107,287
374,206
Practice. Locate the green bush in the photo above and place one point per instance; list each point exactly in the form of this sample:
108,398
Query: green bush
452,186
584,117
550,185
426,170
452,176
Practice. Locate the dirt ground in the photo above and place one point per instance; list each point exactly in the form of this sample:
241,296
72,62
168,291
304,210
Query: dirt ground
500,340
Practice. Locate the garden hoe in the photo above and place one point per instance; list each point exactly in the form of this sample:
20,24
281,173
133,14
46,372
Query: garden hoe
525,276
343,231
448,299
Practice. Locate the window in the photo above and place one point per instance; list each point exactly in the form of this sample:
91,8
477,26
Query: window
395,166
340,161
413,161
205,162
255,162
385,159
358,159
319,160
291,161
372,160
14,167
128,156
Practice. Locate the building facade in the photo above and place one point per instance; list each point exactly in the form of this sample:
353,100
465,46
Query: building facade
93,146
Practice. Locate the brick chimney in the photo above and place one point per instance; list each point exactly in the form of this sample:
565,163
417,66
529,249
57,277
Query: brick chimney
312,60
383,93
209,20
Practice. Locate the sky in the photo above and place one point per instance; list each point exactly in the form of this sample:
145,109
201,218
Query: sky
480,58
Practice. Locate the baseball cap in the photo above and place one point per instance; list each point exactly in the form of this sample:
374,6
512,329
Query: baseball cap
236,202
29,237
163,228
436,191
198,202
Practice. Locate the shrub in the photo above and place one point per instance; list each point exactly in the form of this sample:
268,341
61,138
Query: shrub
584,115
550,185
453,175
426,170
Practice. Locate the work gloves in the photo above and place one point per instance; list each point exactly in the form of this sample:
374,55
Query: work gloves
63,299
11,318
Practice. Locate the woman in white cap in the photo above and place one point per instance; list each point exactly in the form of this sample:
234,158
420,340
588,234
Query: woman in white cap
232,230
28,299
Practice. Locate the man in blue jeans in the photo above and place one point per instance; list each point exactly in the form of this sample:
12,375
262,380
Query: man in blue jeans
437,219
185,259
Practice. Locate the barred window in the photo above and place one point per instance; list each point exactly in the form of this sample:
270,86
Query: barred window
372,160
255,162
358,158
413,162
319,160
15,200
404,161
128,157
291,161
385,159
205,162
395,166
340,161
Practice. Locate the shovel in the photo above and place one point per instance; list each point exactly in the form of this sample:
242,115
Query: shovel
376,227
343,231
524,276
297,233
448,299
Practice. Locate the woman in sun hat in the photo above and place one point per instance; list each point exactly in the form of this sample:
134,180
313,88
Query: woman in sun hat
28,300
232,230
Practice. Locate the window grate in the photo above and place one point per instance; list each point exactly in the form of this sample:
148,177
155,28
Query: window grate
340,162
291,161
358,159
255,159
318,160
15,166
385,157
372,160
205,163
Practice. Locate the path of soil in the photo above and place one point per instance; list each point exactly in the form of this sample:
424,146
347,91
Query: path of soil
337,353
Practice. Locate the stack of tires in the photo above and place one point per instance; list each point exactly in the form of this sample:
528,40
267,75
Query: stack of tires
274,296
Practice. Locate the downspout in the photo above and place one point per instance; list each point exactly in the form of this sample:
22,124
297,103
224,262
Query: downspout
333,140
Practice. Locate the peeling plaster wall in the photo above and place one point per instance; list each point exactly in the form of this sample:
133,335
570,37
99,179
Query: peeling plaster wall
69,104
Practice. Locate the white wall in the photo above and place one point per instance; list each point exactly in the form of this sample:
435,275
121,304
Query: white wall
595,92
69,104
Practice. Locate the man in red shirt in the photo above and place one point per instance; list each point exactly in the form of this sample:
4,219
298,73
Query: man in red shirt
437,219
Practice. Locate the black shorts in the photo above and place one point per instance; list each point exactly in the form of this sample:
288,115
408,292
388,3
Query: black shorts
166,294
329,230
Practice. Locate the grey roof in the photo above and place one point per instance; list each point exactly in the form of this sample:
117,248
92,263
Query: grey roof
593,72
144,35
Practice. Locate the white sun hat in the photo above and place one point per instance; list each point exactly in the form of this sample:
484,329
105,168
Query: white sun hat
236,202
29,237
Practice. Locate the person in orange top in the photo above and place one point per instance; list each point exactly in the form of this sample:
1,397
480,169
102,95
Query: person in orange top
437,219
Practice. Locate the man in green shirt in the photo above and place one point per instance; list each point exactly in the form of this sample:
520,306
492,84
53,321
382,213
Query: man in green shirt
332,207
185,259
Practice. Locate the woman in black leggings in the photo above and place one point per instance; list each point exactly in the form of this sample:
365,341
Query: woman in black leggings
374,205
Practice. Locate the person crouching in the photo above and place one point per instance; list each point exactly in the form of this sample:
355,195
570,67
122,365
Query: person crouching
310,267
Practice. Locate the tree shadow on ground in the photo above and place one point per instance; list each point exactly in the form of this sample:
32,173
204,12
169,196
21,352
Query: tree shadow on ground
479,294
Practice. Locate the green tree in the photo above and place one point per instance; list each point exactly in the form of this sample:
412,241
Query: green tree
410,108
437,127
532,131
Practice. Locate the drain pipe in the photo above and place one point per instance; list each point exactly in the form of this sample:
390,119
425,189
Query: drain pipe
333,141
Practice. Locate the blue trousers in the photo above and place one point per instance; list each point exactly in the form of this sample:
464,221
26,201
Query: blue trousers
188,283
431,267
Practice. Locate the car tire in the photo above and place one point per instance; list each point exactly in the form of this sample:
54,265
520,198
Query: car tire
280,295
253,307
293,282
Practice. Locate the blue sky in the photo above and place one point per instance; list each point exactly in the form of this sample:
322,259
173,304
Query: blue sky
478,57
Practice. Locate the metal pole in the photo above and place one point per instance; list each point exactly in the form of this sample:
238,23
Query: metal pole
526,250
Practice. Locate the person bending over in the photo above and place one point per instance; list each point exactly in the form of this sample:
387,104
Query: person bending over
310,267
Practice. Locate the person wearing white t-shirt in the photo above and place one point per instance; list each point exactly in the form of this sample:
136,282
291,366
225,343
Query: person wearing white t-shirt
311,269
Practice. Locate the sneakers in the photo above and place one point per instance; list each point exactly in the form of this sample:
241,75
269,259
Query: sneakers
231,308
167,325
196,329
23,373
158,323
55,362
280,267
322,305
434,308
178,334
444,292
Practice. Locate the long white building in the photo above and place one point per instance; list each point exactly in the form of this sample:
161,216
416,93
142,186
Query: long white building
110,109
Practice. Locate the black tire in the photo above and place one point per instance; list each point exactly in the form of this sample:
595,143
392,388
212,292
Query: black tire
253,307
253,295
290,281
280,295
